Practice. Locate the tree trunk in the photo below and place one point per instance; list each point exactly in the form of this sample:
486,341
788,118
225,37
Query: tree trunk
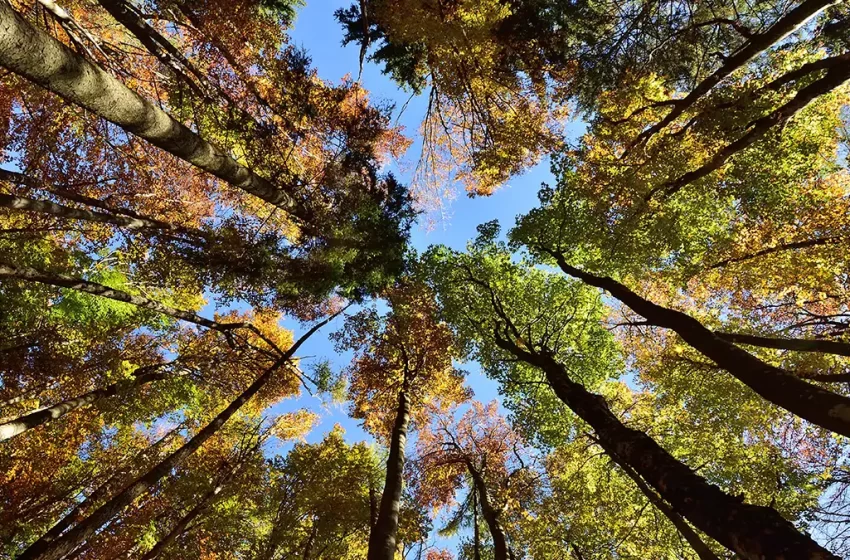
311,539
156,44
796,344
103,490
834,78
181,525
677,520
20,425
33,183
754,532
756,45
33,54
88,527
46,207
476,533
382,538
784,389
816,242
93,288
501,550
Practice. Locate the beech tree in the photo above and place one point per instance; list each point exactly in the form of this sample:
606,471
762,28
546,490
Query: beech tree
665,333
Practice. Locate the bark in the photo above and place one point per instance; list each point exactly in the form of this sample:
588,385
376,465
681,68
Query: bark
476,536
156,44
27,422
834,78
31,182
87,528
752,48
311,539
677,520
66,212
501,550
784,389
779,248
795,344
104,490
93,288
180,527
33,54
382,538
753,532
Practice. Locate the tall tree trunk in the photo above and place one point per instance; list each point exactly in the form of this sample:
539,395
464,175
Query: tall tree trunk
104,490
796,344
20,425
308,545
47,207
756,45
33,183
476,532
180,527
754,532
816,242
35,55
835,77
93,288
677,520
501,550
382,538
784,389
88,527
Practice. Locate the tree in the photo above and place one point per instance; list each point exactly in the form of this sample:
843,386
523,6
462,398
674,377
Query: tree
484,313
402,370
480,447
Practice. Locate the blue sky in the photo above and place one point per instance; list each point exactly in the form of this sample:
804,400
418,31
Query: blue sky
317,31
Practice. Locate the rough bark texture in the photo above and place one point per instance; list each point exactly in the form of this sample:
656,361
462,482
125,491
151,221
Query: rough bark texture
501,551
819,406
677,520
33,54
382,539
45,415
756,45
76,536
47,207
754,532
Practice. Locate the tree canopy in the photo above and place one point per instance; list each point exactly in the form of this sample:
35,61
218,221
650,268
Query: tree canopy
208,251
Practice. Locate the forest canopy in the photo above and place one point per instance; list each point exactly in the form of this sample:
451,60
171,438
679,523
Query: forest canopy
226,335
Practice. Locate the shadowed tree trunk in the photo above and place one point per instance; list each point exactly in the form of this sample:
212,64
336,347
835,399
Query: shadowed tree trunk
756,45
753,532
501,550
104,490
93,288
835,77
33,419
382,538
181,526
784,389
795,344
677,520
476,534
35,55
87,528
47,207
